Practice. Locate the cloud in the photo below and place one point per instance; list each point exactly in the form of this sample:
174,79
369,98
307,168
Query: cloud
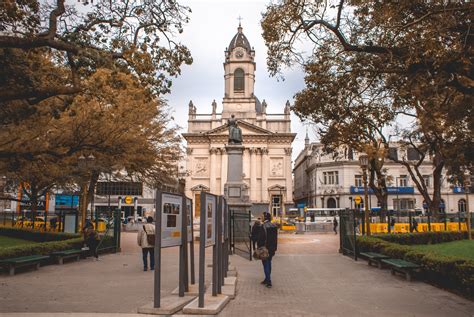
212,26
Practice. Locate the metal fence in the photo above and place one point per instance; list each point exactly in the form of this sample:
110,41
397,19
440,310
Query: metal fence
347,233
240,233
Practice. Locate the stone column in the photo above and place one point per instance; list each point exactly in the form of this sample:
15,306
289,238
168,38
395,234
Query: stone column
212,171
264,194
246,163
288,181
189,152
223,169
253,174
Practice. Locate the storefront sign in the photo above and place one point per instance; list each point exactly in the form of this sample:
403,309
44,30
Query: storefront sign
390,190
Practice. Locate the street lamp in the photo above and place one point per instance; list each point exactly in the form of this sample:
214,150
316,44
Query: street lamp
467,183
364,164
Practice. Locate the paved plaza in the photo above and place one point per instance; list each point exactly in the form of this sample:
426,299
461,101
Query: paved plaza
309,279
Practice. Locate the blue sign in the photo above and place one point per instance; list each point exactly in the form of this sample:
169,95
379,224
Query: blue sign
360,190
300,205
458,190
67,201
390,190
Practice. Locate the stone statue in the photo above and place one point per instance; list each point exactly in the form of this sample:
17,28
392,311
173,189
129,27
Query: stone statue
287,107
235,134
214,106
192,108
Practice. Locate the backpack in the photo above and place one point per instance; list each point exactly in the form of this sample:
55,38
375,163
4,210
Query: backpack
150,238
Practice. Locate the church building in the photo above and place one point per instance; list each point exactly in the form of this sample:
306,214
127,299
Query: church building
267,138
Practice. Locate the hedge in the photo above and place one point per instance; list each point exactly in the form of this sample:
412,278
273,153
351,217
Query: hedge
37,236
424,237
48,242
448,272
42,248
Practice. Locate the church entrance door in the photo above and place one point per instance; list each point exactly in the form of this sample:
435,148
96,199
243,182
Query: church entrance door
331,203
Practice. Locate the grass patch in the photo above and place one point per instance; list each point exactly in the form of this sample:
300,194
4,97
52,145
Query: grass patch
463,249
6,242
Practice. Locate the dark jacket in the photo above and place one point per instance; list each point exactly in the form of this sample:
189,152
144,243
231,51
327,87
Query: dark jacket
267,235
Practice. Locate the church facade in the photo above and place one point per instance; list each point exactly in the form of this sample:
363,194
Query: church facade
267,139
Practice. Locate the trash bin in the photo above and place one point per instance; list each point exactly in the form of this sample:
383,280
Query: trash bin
300,227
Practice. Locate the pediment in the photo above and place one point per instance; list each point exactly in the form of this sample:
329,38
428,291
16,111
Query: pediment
200,187
247,129
277,187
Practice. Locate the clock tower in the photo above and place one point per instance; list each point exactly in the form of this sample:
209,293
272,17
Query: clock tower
239,75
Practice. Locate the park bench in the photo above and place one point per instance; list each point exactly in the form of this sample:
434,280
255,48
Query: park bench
13,263
374,257
61,255
402,266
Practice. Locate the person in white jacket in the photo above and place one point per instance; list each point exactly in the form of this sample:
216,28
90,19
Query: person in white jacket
147,229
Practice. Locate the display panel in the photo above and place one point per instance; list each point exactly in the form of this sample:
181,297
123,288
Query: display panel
171,220
189,212
210,214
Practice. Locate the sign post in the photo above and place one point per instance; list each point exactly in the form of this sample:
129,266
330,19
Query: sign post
207,238
191,239
157,286
170,231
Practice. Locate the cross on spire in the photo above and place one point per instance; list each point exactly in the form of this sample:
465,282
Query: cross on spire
240,19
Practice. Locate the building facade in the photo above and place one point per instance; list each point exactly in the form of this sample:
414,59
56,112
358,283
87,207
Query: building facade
267,138
322,181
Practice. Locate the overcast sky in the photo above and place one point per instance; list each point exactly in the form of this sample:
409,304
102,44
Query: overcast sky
212,26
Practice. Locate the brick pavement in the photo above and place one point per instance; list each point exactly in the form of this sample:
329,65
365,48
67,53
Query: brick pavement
311,279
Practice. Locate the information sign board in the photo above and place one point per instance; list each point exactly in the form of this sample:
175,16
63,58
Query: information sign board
171,220
189,212
209,210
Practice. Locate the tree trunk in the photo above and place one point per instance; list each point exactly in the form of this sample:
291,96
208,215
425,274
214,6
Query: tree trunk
34,202
91,190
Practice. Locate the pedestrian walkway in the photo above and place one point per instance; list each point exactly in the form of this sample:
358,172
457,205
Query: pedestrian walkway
309,279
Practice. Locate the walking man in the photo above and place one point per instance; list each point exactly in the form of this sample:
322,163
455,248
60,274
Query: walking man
146,240
267,236
335,224
255,231
392,225
91,239
415,225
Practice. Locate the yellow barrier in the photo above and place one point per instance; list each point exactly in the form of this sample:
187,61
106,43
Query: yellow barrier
288,227
422,227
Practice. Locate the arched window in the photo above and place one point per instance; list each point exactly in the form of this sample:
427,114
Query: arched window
239,81
462,205
331,203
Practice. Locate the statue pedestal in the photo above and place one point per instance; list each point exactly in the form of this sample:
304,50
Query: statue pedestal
235,190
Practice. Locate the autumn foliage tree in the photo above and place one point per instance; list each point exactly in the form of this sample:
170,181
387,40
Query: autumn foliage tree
372,63
88,80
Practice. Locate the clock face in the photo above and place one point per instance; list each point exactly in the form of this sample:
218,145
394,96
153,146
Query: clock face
239,54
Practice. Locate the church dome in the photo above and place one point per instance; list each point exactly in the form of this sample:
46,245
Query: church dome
239,40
